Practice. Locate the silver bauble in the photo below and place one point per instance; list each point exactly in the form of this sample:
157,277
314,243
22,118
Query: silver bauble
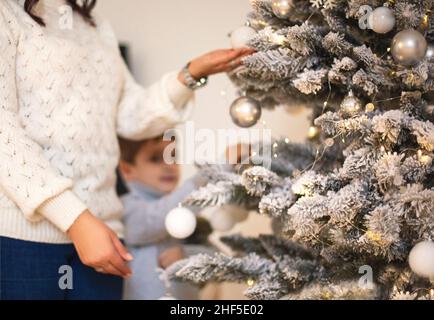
428,111
282,8
245,112
409,47
381,20
430,53
351,105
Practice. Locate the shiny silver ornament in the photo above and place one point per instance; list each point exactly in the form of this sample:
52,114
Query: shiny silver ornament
428,111
282,8
381,20
409,47
351,104
245,112
430,53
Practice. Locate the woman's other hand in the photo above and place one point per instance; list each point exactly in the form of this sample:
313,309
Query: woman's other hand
99,247
217,61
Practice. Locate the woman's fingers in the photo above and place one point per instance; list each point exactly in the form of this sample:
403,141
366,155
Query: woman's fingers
119,264
237,53
123,252
110,269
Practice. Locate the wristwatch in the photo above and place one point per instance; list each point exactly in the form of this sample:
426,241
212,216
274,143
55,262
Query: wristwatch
193,83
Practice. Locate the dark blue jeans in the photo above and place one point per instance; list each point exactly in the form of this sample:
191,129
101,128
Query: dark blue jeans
38,271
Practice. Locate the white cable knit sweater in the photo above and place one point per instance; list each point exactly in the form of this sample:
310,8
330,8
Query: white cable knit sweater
64,96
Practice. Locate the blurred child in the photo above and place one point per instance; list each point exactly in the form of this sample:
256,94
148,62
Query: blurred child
153,192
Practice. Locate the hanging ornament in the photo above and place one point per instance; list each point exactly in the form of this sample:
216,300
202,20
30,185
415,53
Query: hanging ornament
282,8
245,112
241,37
222,220
430,53
421,259
381,20
409,47
428,111
313,132
351,104
180,223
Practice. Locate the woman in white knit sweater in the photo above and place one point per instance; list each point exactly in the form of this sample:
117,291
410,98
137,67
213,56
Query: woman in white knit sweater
65,94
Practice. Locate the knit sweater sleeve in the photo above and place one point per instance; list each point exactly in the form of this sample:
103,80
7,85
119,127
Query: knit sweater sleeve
26,176
147,112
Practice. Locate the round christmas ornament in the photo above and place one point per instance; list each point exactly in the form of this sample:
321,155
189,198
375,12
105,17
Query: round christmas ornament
313,132
222,220
381,20
409,47
180,223
428,110
430,52
421,259
241,36
351,104
245,112
282,8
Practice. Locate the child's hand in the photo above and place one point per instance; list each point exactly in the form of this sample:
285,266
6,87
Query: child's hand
170,256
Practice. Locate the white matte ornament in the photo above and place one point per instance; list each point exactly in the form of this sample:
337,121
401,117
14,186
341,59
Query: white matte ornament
282,8
421,259
409,47
381,20
245,112
222,220
180,223
241,37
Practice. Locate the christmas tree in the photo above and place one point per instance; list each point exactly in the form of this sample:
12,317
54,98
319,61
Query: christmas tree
358,198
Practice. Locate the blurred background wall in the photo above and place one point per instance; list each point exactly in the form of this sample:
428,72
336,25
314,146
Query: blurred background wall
162,36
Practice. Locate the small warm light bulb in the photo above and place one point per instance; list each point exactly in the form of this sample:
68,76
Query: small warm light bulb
275,155
286,140
370,107
250,282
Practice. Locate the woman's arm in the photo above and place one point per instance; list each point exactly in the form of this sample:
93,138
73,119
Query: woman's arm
29,180
147,112
26,176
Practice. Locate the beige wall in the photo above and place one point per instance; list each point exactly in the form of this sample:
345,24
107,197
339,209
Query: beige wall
164,35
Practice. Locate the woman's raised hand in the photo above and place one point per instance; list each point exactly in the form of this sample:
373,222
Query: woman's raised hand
218,61
99,247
